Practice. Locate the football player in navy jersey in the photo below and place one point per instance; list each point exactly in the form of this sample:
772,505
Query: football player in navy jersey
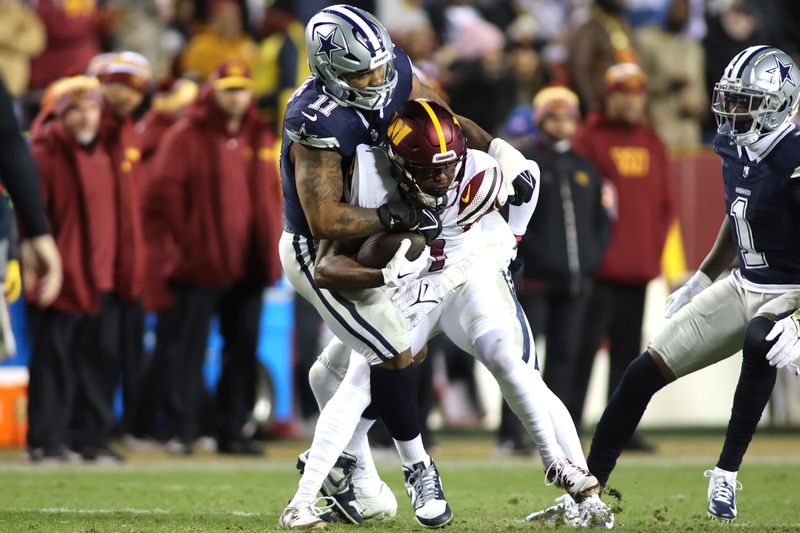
754,100
358,80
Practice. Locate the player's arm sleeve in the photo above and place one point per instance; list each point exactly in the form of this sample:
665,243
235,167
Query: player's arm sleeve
317,134
519,216
18,171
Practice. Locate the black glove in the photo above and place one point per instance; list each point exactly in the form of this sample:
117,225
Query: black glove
524,185
429,226
404,216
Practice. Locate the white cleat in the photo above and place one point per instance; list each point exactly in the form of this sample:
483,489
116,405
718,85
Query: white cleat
424,487
305,515
379,507
561,513
577,481
593,513
722,496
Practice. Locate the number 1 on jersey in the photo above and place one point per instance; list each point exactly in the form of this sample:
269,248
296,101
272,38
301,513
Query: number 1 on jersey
744,234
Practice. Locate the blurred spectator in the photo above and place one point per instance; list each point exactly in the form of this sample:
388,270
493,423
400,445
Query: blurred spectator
527,69
674,66
729,32
563,246
22,37
179,31
74,30
219,163
74,352
282,62
477,78
604,40
125,79
224,40
171,99
634,161
140,27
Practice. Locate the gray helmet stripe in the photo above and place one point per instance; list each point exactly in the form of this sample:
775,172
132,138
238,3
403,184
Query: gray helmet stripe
746,59
354,18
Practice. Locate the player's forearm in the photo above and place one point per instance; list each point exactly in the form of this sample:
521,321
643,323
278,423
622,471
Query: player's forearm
340,272
722,253
336,220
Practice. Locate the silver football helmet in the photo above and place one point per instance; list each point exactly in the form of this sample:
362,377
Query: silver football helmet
342,40
758,92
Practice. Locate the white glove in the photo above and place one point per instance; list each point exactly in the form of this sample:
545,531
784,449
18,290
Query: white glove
696,284
786,349
399,271
419,298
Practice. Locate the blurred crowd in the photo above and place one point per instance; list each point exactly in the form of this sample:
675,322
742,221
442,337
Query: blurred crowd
155,125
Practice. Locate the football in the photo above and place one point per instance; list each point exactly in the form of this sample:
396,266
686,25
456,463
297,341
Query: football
378,249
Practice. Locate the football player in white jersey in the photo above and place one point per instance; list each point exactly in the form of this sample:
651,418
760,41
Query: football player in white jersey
463,290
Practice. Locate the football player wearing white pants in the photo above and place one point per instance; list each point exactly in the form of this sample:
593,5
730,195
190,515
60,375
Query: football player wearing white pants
710,321
464,292
358,79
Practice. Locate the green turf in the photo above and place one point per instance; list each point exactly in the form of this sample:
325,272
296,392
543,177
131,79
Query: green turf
665,494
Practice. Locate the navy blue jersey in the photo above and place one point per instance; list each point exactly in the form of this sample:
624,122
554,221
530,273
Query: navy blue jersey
315,120
761,201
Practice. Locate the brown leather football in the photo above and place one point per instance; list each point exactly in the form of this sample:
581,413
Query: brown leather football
378,249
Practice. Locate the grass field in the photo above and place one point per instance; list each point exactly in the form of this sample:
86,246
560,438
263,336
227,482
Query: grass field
664,492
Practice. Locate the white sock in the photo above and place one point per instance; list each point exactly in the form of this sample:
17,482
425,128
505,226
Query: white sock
412,451
729,476
365,477
566,434
522,388
335,427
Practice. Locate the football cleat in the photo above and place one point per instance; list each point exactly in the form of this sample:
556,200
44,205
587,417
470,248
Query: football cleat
424,487
722,496
577,481
592,513
306,515
379,507
560,513
338,486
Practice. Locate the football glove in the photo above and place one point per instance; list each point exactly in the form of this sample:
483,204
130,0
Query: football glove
13,284
416,300
696,284
404,216
521,174
400,271
786,350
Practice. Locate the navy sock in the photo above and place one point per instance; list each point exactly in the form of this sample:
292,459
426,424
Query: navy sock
641,380
371,412
395,394
756,382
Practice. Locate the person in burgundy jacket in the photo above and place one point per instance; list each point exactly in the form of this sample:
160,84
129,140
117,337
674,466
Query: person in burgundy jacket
125,79
638,193
73,337
74,30
215,192
171,99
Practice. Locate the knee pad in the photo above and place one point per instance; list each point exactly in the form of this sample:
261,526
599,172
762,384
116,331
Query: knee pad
755,346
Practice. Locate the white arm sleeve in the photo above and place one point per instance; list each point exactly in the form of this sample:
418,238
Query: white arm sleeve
520,215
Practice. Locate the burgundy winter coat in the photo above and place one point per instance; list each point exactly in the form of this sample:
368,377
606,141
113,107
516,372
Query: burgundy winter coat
79,197
218,197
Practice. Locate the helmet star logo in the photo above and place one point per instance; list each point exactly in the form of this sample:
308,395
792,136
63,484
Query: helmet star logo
784,71
328,44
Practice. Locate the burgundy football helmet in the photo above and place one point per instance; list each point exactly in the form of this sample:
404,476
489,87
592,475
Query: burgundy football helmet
427,149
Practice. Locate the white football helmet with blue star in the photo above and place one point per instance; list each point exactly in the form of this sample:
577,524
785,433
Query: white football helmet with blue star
342,40
758,93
